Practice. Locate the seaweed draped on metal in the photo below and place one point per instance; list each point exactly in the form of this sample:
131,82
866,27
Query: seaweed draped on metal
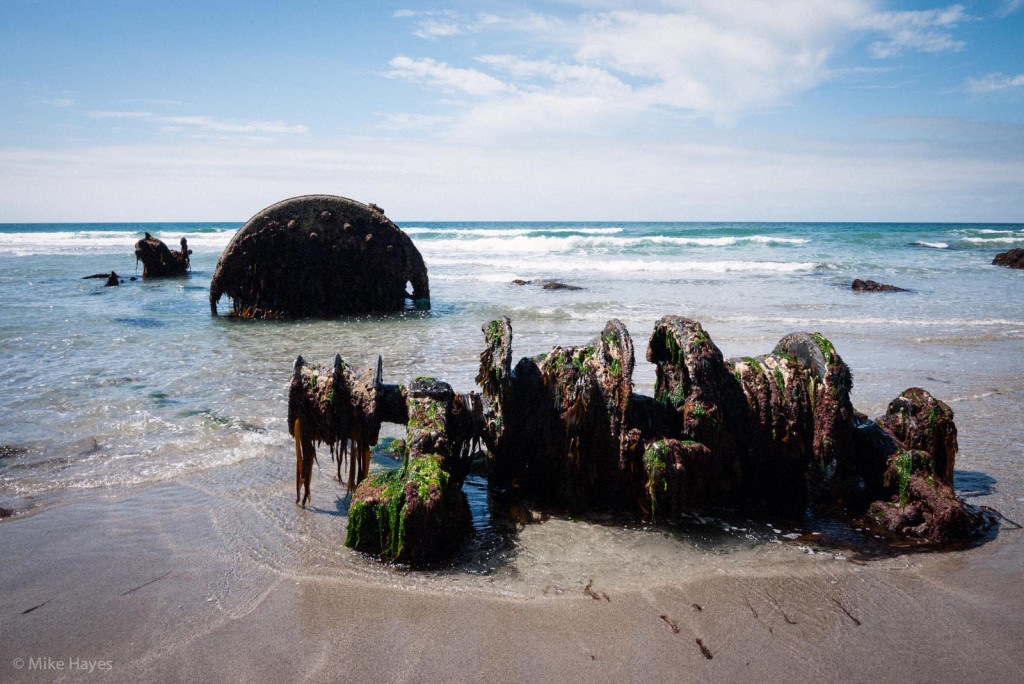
564,430
321,256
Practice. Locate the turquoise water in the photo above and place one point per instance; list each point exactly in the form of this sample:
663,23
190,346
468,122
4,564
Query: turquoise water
110,389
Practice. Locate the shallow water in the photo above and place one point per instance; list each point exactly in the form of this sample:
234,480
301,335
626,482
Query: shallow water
108,391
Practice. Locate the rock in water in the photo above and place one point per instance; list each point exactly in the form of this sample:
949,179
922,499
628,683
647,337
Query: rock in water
158,260
1012,259
319,255
872,286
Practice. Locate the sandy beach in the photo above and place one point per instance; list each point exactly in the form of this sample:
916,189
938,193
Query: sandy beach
176,595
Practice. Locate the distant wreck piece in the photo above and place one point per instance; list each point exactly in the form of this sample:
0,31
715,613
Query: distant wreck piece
112,279
158,260
859,285
319,256
548,284
1011,259
776,433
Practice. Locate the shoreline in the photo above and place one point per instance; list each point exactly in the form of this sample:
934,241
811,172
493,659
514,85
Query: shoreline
161,597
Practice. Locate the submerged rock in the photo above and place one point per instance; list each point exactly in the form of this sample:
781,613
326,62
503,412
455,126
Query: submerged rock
1011,259
859,285
158,260
548,284
319,255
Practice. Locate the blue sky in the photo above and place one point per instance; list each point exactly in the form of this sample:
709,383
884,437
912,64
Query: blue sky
784,110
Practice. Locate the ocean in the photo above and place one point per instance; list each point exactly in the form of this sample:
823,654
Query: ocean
137,396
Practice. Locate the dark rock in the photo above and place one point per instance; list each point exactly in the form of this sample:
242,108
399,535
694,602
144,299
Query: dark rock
548,284
5,512
9,451
111,278
158,260
319,255
924,507
1011,259
919,421
872,286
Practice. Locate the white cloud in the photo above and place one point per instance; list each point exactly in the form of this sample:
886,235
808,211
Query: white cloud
920,30
711,58
409,122
560,75
207,123
433,24
993,82
719,59
118,114
448,78
203,123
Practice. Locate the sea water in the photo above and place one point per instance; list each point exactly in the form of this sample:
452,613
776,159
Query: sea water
106,393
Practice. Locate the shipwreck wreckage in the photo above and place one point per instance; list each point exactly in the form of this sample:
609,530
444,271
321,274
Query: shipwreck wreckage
565,430
320,256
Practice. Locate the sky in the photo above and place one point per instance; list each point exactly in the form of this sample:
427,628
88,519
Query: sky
600,110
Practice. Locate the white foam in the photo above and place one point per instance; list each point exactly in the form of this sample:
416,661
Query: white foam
544,244
994,240
856,321
103,241
506,232
547,267
933,245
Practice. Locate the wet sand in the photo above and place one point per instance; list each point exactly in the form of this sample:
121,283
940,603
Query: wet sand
169,595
